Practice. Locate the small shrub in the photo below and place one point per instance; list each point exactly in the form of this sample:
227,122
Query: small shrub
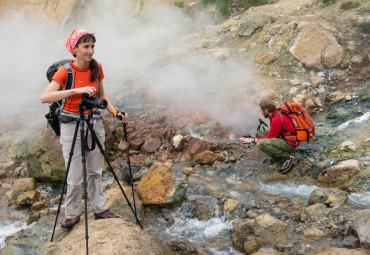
328,2
180,4
365,8
350,5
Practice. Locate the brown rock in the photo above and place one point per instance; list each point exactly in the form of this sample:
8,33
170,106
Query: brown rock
328,196
38,206
262,232
117,203
182,247
316,47
340,175
248,185
206,158
340,251
139,127
193,147
136,141
267,58
316,81
151,145
108,237
362,224
332,55
22,185
159,186
45,160
33,217
314,234
27,198
336,96
137,160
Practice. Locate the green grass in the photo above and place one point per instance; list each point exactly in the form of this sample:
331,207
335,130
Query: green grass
350,4
328,2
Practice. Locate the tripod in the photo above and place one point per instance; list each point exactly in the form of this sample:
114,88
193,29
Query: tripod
86,105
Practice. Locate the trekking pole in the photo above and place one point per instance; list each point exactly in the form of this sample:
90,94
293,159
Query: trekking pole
131,182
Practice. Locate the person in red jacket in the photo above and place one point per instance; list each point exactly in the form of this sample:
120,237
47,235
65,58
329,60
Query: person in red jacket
272,142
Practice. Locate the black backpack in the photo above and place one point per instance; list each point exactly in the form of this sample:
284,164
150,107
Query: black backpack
54,108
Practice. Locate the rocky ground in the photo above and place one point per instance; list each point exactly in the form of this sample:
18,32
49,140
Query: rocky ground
304,52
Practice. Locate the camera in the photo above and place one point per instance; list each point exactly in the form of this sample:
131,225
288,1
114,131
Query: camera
93,102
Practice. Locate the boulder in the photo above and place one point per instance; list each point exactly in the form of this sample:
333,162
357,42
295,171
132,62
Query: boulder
117,203
230,205
136,140
39,205
194,146
362,224
328,196
251,21
45,160
182,247
111,236
205,208
27,197
160,187
336,96
151,145
340,175
20,186
348,146
316,48
262,232
206,158
340,251
314,234
314,211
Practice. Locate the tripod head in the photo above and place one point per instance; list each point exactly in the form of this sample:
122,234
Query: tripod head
262,124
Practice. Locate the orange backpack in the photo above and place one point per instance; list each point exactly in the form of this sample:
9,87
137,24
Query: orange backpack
302,122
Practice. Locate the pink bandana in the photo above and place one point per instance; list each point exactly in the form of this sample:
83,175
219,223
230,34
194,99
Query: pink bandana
72,40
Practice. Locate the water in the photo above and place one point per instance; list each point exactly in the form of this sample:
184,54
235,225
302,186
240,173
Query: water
357,120
360,200
8,228
291,189
288,190
195,230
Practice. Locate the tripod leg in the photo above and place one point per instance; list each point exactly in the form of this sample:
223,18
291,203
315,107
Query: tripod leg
94,137
65,178
84,172
129,164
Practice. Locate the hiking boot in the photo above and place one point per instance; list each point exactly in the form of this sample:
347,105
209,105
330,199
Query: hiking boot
105,215
288,165
69,223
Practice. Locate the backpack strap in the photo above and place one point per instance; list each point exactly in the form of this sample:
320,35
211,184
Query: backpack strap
69,82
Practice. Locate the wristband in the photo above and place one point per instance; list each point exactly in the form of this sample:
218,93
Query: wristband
114,112
253,140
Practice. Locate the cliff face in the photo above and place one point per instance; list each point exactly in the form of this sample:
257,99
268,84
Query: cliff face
58,10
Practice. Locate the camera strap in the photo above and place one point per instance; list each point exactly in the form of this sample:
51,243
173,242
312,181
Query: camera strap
87,133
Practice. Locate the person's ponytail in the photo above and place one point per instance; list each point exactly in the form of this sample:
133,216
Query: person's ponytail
94,70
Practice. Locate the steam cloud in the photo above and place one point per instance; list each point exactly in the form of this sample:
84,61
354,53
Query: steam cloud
150,47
